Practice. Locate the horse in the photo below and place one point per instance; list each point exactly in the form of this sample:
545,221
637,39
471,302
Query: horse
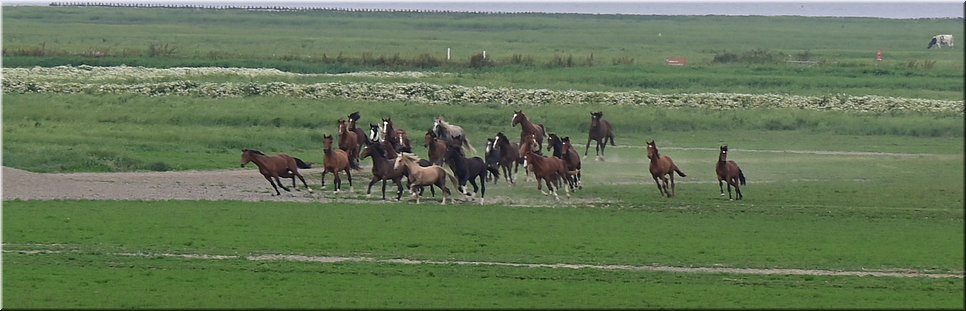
391,153
467,169
448,132
660,167
509,156
335,160
564,151
363,138
382,169
549,169
601,132
281,165
435,146
349,142
423,176
729,172
491,157
396,136
527,128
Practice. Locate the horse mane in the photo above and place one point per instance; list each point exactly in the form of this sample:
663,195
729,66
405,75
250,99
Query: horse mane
255,151
355,116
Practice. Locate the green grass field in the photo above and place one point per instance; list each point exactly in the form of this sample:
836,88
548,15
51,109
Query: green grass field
831,191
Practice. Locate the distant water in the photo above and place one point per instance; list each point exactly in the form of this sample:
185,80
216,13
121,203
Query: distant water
801,8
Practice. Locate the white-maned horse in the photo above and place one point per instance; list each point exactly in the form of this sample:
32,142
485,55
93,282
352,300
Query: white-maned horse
941,40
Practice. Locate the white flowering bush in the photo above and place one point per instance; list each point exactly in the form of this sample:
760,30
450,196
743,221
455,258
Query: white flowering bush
52,80
126,73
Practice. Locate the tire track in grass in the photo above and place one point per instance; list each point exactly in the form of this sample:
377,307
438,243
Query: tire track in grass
906,273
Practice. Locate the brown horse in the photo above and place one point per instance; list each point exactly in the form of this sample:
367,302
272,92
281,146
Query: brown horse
548,169
570,157
382,169
397,136
349,142
435,146
361,134
662,166
281,165
527,128
335,160
420,176
729,172
600,131
509,156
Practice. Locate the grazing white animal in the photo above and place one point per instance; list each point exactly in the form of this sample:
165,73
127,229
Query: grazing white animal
941,40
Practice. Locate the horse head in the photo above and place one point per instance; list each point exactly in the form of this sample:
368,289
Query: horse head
327,142
595,118
554,141
354,116
428,138
517,118
565,147
723,155
374,132
343,127
652,150
246,156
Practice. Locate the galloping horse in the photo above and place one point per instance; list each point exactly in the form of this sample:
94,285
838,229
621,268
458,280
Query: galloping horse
423,176
729,172
448,132
435,146
396,136
662,166
335,160
467,169
391,153
491,157
562,149
375,133
509,156
549,169
361,134
527,128
600,131
280,165
382,169
349,142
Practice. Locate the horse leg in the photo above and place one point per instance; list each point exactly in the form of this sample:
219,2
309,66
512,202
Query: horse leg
374,180
600,150
738,190
658,183
348,175
587,147
721,186
383,189
337,182
550,186
729,189
672,184
322,186
602,146
269,178
540,186
303,182
399,188
482,189
279,182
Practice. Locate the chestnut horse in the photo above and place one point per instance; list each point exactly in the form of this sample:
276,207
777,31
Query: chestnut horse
729,172
396,136
423,176
570,157
361,134
281,165
662,166
349,142
548,169
435,146
382,169
600,131
527,128
509,156
335,160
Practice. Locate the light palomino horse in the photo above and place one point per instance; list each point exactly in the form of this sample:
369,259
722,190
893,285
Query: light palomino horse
729,172
661,167
549,169
601,132
448,132
335,160
424,176
281,165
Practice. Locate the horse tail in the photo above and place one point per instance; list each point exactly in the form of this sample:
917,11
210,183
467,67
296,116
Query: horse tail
542,129
452,178
301,164
354,164
467,143
741,177
610,136
680,173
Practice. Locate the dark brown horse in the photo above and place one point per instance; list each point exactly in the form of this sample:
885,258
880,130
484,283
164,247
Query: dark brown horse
527,128
349,142
662,166
509,156
467,169
562,149
491,156
335,160
435,147
423,176
281,165
549,169
729,172
360,133
397,136
382,169
600,131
